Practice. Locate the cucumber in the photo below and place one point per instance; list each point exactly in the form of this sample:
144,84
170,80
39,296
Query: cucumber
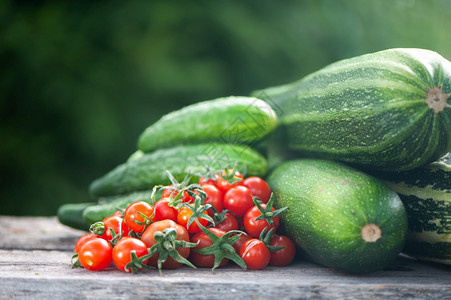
388,110
70,214
341,217
237,120
109,205
426,194
147,170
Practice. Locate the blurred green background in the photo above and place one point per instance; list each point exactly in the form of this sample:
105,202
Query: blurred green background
80,80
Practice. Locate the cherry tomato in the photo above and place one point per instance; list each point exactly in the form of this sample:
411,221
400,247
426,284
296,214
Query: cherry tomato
185,196
117,224
132,214
95,254
203,180
284,256
229,223
224,184
254,227
238,200
122,252
201,260
258,187
83,239
214,197
163,211
255,254
183,216
182,235
238,244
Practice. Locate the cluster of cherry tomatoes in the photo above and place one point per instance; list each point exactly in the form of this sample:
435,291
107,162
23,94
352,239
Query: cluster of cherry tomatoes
222,218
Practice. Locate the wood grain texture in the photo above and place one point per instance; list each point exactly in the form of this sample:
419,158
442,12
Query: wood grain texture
35,263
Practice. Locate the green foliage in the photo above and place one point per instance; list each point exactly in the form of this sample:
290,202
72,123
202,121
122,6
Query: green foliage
80,80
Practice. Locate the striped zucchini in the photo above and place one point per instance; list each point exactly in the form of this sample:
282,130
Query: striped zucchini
426,194
237,120
388,110
144,171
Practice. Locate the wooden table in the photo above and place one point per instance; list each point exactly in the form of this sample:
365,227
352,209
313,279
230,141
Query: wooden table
35,254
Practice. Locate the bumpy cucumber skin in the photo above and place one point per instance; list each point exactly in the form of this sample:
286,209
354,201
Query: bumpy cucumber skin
70,214
147,170
328,205
426,194
238,120
109,205
369,110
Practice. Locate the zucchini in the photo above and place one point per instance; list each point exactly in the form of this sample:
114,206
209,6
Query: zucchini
107,206
144,171
426,194
71,214
236,120
341,217
388,110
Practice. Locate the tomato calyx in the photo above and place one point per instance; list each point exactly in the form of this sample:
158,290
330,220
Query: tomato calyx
199,211
222,247
267,213
218,217
181,192
230,175
166,245
98,228
266,236
137,263
147,220
75,262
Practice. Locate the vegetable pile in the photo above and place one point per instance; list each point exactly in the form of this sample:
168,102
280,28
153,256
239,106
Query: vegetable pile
327,145
224,217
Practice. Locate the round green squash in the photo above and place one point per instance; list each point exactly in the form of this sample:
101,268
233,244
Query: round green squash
342,218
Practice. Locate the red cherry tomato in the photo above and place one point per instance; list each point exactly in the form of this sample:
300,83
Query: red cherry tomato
201,260
132,214
95,254
229,223
203,180
258,187
183,216
254,227
284,256
83,239
255,254
163,211
122,252
238,244
214,197
182,235
238,200
224,184
117,224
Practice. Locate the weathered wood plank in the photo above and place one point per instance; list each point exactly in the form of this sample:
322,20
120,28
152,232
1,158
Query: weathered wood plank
35,263
48,274
36,233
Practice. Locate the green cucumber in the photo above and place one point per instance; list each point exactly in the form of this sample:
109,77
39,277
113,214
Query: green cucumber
145,171
70,214
107,206
388,110
341,217
237,120
426,194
